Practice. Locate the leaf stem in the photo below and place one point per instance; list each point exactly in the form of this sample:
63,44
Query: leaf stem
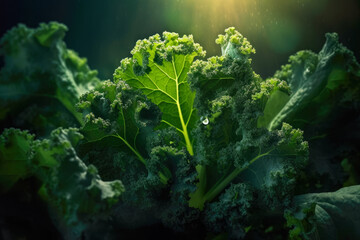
199,198
219,187
183,125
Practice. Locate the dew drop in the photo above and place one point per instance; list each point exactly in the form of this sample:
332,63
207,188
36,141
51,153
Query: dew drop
205,121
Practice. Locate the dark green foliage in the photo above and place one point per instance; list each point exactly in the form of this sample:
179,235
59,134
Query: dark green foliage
41,80
231,145
75,193
320,84
323,100
202,149
329,215
14,153
232,212
76,190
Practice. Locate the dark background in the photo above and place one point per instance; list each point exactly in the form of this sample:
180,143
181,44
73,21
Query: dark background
106,31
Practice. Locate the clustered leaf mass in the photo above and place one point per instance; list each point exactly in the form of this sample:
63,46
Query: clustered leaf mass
177,146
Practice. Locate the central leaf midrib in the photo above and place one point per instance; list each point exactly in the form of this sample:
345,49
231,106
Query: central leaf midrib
177,100
184,126
178,94
152,85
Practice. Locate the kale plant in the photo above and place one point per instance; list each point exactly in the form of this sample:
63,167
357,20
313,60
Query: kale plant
177,146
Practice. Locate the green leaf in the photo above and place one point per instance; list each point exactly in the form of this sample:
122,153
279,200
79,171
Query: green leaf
273,106
73,190
235,45
330,215
42,78
113,110
319,83
14,152
159,68
116,110
224,84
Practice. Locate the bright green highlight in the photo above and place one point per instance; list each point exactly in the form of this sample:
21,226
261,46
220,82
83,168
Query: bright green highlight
159,68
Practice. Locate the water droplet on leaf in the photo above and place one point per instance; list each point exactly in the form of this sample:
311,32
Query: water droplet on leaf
205,121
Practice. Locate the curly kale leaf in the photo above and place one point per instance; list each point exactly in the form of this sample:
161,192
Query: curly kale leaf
155,169
319,84
147,200
159,67
329,215
175,212
222,76
74,191
41,80
231,213
117,111
230,147
323,100
121,142
15,148
113,110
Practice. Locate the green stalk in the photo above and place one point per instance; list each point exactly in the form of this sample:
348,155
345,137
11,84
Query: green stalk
219,187
199,198
196,198
183,124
